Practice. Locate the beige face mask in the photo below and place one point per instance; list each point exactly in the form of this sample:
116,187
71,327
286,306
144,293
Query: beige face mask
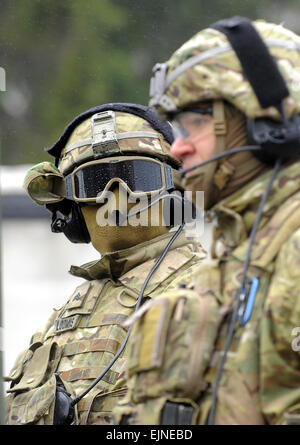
112,237
200,179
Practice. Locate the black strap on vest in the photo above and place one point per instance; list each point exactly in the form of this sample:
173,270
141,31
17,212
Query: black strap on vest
258,64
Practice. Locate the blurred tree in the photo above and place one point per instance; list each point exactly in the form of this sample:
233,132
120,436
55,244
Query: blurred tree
64,57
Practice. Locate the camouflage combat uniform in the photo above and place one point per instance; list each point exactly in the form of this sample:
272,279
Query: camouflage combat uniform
88,330
83,336
260,383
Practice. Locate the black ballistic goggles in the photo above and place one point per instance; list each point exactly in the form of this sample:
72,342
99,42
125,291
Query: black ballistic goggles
140,175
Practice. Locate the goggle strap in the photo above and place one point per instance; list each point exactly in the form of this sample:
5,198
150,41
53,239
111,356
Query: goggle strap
69,188
168,177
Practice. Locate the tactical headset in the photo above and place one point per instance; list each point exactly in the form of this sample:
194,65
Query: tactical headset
73,224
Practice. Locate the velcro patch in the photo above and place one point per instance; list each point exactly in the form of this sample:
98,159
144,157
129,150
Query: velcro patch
66,324
78,296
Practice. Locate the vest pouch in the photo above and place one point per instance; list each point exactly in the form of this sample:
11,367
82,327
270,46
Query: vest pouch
171,344
22,360
37,405
19,365
97,409
39,368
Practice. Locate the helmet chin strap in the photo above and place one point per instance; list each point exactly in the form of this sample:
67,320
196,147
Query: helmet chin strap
220,125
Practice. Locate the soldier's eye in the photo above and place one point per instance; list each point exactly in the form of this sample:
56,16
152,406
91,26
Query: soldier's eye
192,123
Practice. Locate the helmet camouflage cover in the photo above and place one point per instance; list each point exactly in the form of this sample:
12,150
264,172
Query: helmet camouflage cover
119,134
103,134
206,68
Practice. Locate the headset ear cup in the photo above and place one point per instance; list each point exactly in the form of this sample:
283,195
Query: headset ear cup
75,227
278,140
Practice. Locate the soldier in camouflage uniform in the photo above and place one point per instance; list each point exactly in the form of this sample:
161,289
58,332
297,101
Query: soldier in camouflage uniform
83,336
230,355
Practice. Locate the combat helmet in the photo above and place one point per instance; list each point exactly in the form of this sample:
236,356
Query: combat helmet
208,67
253,67
103,131
113,132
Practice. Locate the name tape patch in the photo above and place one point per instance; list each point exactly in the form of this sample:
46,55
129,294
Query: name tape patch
66,324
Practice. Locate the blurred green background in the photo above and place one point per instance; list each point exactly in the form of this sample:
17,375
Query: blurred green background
62,57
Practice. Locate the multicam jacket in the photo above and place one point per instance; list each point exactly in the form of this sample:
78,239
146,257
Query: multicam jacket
260,383
82,337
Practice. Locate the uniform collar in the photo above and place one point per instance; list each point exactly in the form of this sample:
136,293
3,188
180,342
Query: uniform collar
114,265
235,215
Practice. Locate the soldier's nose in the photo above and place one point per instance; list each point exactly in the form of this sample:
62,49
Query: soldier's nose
181,147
